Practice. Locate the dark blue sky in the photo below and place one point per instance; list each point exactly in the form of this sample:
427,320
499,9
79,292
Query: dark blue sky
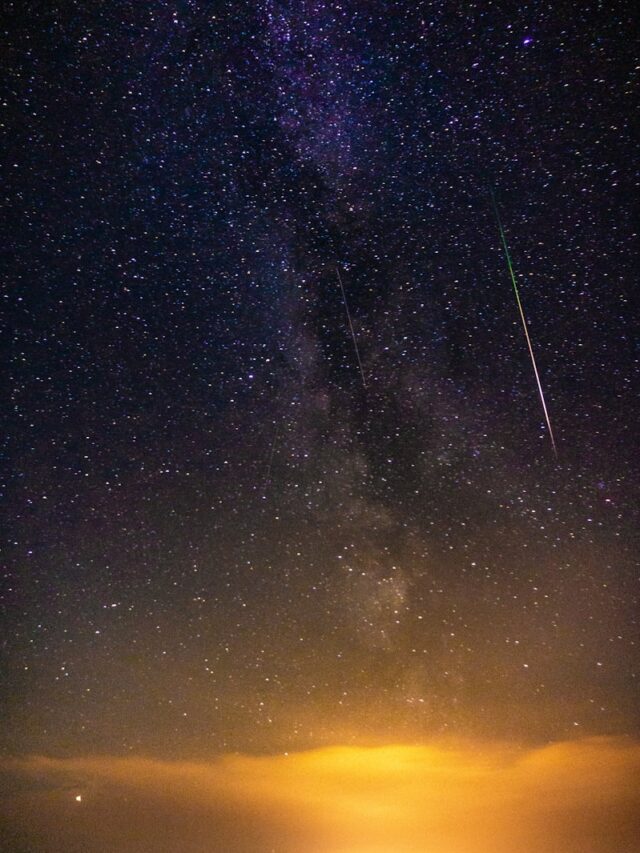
216,538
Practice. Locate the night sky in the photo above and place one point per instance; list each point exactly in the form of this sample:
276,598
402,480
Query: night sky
222,533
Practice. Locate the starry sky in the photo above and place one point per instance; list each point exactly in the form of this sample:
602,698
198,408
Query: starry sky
223,533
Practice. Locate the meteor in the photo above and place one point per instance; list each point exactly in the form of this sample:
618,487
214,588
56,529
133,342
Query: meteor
274,443
524,322
353,334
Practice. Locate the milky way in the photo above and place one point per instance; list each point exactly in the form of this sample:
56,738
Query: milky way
229,529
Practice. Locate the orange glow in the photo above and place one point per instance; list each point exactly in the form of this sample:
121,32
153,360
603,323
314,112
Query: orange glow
471,798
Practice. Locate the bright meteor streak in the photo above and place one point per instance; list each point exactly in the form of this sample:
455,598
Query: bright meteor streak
524,323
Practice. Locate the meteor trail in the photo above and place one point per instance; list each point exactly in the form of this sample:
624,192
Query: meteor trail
267,480
353,334
524,321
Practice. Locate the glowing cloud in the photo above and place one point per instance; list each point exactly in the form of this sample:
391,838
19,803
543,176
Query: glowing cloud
472,798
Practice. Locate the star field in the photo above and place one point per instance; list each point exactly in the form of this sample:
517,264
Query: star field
217,536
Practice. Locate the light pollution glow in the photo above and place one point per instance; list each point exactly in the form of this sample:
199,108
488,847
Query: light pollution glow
576,797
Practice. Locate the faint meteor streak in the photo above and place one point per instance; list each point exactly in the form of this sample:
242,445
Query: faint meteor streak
274,443
524,322
353,334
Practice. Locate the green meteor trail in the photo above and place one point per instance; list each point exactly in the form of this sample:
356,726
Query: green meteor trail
524,322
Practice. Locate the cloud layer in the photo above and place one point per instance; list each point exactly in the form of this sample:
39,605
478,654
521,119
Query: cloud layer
575,797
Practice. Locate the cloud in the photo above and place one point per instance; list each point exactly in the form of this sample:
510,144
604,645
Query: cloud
579,796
